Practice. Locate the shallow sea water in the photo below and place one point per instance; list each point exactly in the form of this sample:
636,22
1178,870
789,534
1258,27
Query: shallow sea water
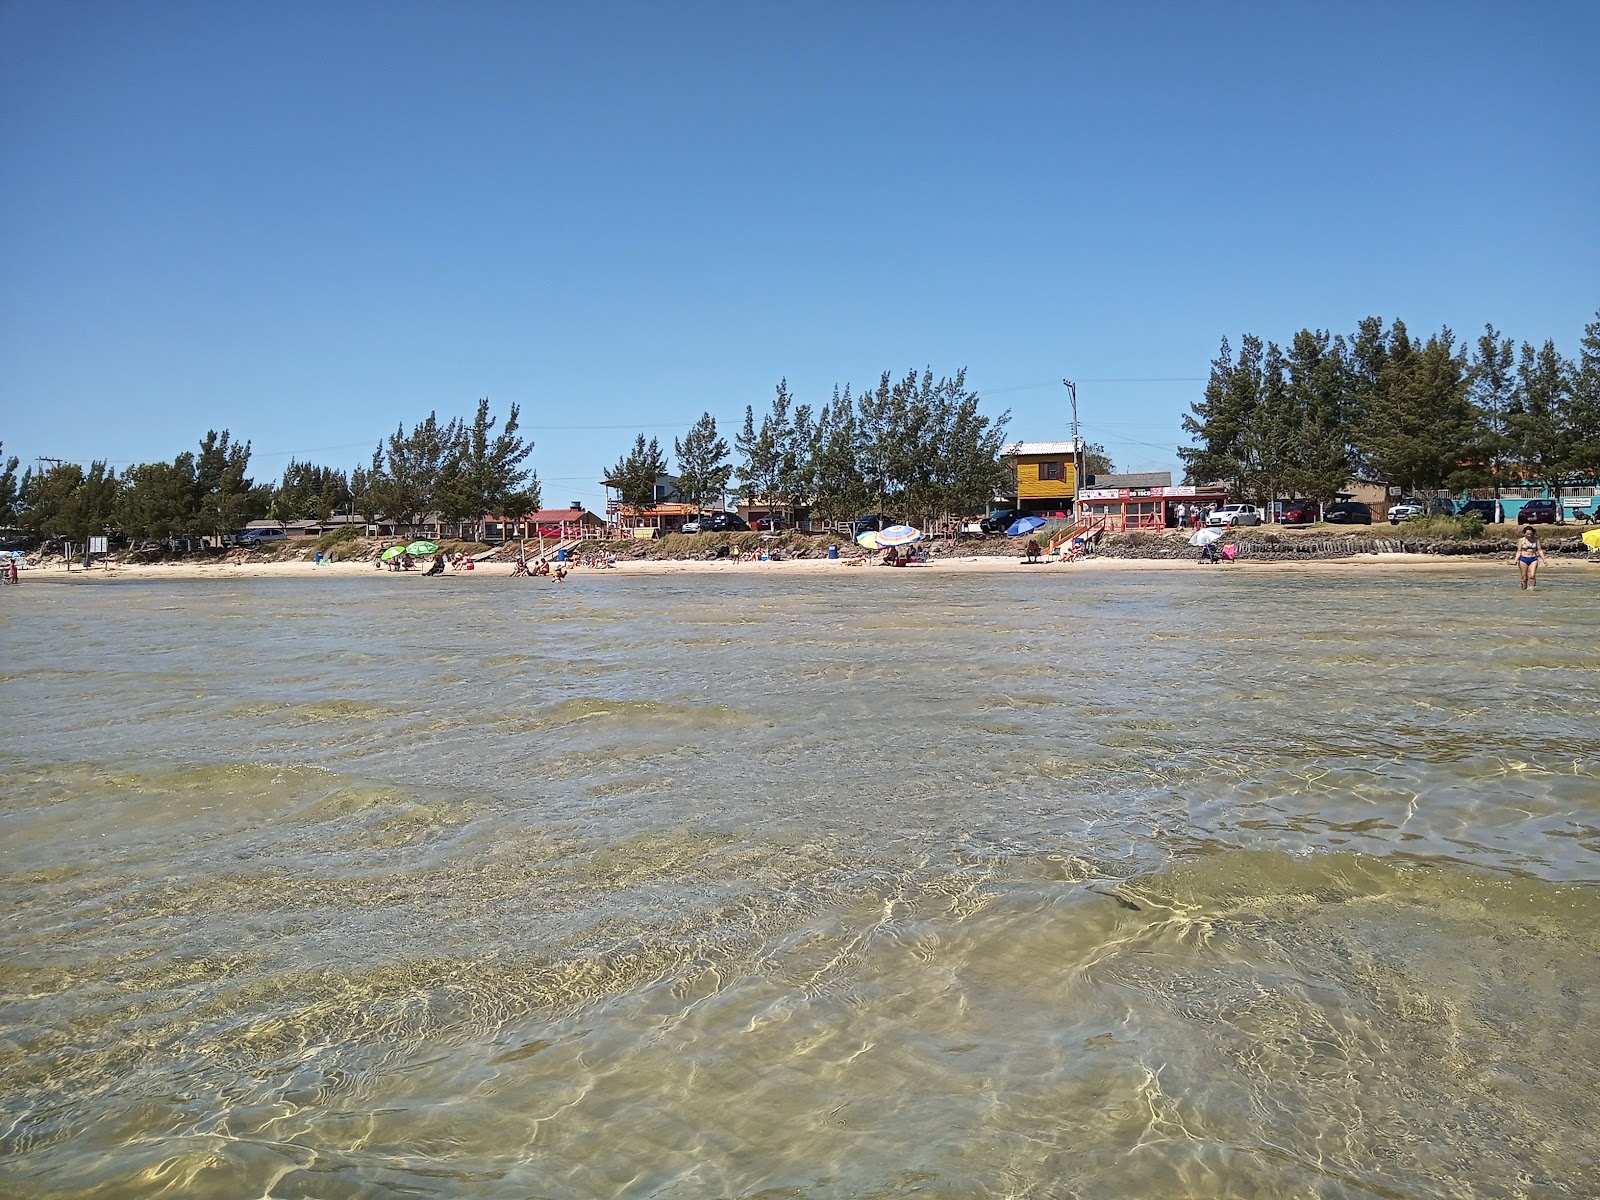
867,884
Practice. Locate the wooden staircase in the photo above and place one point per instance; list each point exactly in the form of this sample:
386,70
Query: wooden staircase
1089,531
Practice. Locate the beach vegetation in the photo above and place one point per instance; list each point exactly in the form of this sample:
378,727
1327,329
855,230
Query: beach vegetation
485,471
703,465
1420,414
67,501
308,492
636,472
408,469
916,446
337,537
9,485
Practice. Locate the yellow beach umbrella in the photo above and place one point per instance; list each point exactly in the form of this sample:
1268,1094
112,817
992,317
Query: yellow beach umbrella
1591,539
869,539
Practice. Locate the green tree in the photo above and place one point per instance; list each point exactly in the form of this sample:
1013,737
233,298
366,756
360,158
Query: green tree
703,466
158,499
67,501
838,490
1317,389
308,492
225,498
1217,420
1267,441
486,475
1492,392
409,469
10,495
1584,409
636,472
1096,461
924,449
766,454
1540,421
1418,424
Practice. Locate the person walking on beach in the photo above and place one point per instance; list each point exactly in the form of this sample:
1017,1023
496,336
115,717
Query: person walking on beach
1529,555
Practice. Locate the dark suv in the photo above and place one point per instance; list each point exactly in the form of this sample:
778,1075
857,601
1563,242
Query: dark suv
1539,512
1001,521
717,522
1348,512
872,522
1489,510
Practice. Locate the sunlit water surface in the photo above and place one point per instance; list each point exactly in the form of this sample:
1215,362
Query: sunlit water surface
868,884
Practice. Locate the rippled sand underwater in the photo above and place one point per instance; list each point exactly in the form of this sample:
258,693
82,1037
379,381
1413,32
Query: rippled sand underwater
869,885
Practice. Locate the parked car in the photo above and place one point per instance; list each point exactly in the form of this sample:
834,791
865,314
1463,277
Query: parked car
716,522
872,521
1443,507
771,523
1404,510
1539,512
257,537
999,522
1489,510
1297,512
1348,512
1234,514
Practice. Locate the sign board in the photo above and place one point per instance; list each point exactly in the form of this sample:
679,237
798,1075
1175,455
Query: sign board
97,545
1169,493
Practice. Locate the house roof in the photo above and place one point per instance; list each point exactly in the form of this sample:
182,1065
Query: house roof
1039,448
551,516
1136,480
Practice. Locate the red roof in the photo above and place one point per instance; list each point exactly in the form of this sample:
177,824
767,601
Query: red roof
551,516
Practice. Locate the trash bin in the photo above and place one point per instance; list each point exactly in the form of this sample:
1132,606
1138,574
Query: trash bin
561,555
833,552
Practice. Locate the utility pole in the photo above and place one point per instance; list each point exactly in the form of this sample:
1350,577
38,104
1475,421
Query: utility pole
1077,446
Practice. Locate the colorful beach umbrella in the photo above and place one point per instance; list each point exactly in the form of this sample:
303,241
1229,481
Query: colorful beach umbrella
1024,525
392,553
898,535
869,539
422,546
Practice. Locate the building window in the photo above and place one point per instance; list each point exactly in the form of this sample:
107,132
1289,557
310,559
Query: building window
1051,470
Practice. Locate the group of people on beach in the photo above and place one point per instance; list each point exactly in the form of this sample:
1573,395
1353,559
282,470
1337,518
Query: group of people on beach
539,567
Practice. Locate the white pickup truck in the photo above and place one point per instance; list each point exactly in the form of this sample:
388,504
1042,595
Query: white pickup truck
1234,514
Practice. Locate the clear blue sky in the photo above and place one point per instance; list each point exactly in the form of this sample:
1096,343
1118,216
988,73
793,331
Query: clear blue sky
310,222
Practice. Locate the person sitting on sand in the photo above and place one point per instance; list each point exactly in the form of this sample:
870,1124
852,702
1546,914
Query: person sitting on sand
891,557
521,568
1208,553
542,567
1032,551
1529,555
438,564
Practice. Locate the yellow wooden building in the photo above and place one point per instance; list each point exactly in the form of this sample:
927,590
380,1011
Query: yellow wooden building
1045,475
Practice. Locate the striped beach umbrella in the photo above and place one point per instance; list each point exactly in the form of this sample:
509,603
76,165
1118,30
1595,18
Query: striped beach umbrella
899,535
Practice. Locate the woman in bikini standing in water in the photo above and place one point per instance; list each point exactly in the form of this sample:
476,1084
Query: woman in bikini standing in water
1529,556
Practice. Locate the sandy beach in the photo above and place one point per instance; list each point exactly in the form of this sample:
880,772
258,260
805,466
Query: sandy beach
976,565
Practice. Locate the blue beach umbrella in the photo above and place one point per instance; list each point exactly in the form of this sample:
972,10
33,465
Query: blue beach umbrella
898,535
1024,525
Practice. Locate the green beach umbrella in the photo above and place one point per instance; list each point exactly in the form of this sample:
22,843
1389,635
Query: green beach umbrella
422,546
393,552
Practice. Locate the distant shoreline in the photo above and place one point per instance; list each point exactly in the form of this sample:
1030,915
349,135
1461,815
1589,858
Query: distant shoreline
978,564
